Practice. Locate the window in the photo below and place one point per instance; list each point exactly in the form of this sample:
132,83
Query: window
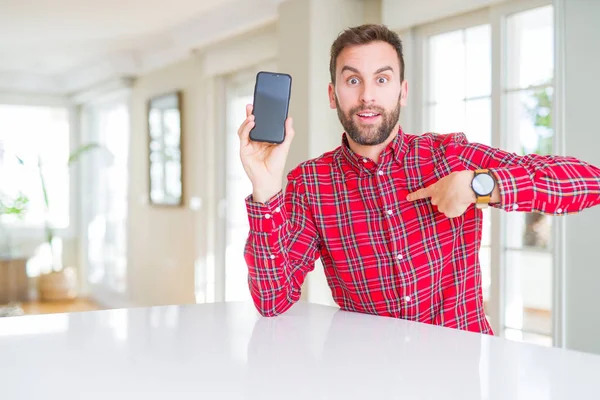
32,134
105,195
459,95
458,62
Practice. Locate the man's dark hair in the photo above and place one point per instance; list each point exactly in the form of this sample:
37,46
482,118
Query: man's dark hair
365,34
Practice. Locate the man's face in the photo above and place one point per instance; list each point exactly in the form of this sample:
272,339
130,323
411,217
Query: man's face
368,93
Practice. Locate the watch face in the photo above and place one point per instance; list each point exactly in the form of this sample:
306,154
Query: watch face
483,184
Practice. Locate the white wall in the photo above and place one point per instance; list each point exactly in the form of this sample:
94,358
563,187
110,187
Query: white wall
581,36
162,240
169,247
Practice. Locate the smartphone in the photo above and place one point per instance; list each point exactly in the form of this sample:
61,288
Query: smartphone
271,103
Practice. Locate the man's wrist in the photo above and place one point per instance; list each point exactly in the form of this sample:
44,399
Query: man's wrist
480,188
471,191
263,196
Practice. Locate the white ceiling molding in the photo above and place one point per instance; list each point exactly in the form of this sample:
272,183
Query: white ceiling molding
156,59
240,17
404,14
193,36
99,91
29,83
247,50
157,51
84,78
33,99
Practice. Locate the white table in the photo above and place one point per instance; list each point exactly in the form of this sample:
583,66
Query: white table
226,351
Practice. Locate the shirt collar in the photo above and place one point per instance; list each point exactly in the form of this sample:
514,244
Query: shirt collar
394,152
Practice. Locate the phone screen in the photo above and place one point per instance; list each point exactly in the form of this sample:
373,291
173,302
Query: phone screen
271,103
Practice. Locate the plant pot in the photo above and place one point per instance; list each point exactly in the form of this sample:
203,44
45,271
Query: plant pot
58,285
14,282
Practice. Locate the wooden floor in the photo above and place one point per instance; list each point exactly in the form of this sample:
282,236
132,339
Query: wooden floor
59,306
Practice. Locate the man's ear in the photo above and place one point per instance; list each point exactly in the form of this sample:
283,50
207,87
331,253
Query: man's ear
404,94
331,92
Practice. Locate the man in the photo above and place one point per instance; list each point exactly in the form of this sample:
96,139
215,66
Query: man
394,217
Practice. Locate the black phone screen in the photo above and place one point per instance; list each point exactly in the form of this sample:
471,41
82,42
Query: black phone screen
271,103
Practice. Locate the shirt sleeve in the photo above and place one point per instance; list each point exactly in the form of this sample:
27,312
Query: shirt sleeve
281,248
549,184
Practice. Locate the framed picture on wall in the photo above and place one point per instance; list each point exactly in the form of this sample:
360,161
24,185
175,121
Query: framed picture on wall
165,164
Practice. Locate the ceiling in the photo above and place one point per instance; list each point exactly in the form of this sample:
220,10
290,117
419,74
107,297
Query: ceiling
56,46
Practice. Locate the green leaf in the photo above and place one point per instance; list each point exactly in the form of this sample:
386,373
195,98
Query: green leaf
17,206
43,182
76,154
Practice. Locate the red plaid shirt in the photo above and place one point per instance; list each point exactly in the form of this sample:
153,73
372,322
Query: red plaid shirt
383,254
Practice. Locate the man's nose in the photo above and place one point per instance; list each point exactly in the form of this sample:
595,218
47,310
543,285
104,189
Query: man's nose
367,94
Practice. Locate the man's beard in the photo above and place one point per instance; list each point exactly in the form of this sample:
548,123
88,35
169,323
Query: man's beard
369,135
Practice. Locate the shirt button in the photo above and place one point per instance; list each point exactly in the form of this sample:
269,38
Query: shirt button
267,216
365,160
380,172
390,212
400,256
559,210
272,256
407,299
278,209
515,207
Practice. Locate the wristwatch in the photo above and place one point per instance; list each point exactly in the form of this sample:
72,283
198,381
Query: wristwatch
483,185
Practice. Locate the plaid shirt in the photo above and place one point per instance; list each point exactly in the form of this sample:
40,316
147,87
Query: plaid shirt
383,254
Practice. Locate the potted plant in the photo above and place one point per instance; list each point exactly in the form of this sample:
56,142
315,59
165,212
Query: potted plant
59,283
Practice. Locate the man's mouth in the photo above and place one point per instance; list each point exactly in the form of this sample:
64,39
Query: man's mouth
368,116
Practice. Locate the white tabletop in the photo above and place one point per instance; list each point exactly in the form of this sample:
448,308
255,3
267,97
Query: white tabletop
226,351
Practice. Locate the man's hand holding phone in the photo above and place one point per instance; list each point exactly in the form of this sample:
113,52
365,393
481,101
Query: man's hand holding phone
263,162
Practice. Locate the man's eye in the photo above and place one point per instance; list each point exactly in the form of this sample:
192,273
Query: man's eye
382,80
353,81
